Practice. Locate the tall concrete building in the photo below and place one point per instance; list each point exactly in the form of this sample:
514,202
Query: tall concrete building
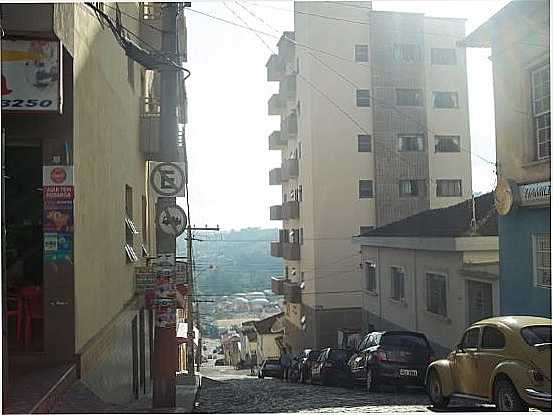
374,128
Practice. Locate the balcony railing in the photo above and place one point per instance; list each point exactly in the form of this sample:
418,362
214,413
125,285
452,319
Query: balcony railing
276,249
291,251
275,141
275,177
149,125
289,127
290,169
276,104
276,68
291,210
287,88
150,16
292,292
277,285
276,212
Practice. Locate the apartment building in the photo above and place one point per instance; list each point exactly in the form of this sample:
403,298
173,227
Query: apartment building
519,38
374,128
78,115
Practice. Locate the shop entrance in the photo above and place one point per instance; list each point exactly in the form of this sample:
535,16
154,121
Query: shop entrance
24,246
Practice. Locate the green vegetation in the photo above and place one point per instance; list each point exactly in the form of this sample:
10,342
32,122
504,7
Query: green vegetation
234,261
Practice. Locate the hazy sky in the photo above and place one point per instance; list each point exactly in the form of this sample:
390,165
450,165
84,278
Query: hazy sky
228,129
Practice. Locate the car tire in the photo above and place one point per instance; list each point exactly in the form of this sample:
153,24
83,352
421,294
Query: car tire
434,391
370,381
302,377
260,375
506,398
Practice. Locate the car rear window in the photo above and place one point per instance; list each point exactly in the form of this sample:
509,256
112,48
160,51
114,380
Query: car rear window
535,335
338,355
404,341
314,354
272,362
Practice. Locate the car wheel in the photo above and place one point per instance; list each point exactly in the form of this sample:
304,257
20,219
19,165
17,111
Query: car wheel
506,398
260,376
435,391
371,381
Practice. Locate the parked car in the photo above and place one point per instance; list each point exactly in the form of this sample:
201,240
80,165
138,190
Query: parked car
330,368
391,357
220,362
504,360
305,362
270,368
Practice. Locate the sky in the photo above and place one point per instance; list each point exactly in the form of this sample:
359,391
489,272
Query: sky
228,125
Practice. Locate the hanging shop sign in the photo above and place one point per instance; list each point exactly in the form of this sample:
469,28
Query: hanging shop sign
509,195
31,78
167,179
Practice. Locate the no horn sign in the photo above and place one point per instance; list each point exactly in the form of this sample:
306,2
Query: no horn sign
167,179
172,220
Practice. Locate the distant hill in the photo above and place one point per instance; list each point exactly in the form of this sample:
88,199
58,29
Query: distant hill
234,261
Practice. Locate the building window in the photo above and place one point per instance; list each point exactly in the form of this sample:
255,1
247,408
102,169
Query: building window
440,56
407,53
300,193
411,142
363,98
362,53
542,259
447,144
436,295
445,100
398,284
301,236
363,230
369,270
541,111
365,189
448,188
364,144
130,228
409,97
411,188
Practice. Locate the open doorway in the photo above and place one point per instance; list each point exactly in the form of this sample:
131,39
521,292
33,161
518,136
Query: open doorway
24,246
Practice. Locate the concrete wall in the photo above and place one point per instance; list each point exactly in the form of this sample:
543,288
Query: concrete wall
106,158
267,346
412,313
516,259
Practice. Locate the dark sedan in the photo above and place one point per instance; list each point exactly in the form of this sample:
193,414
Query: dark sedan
270,368
391,357
331,367
307,358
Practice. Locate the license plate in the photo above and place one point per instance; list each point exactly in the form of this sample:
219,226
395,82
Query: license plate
407,372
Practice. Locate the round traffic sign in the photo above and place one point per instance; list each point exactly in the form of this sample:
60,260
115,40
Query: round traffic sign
172,220
167,179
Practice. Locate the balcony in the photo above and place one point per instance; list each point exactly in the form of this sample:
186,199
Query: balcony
290,169
276,249
276,104
277,285
276,68
291,210
287,47
149,125
275,141
275,177
289,127
276,212
287,88
292,292
150,15
290,251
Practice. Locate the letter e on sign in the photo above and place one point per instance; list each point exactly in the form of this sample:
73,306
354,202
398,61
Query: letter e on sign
167,179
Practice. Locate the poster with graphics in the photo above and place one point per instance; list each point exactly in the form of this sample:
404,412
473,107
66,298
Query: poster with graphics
31,75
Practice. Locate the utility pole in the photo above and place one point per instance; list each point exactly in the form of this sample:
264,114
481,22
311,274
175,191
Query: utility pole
165,339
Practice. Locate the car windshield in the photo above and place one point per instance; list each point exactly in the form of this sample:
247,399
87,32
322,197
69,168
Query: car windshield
536,335
338,355
404,341
272,363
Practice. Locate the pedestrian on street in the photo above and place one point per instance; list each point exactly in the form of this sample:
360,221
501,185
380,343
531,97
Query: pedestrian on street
285,362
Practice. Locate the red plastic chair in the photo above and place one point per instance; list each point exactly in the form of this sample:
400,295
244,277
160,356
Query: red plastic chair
16,312
34,310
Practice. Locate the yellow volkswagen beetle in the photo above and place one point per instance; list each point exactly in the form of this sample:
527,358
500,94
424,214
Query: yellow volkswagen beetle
504,360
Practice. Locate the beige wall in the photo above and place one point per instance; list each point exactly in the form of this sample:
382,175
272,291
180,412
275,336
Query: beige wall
512,66
106,158
412,314
444,33
267,346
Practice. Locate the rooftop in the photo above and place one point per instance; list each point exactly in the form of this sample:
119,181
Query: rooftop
264,326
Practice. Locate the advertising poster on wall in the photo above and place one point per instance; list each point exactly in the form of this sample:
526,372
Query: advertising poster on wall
31,80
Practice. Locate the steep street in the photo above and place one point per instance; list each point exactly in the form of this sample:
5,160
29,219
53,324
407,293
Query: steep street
226,390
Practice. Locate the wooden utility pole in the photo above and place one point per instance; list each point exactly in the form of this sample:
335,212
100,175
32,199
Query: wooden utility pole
165,340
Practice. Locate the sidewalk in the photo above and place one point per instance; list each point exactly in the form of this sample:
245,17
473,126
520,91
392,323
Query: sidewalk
80,399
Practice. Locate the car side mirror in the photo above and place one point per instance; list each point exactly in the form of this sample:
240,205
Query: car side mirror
459,348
